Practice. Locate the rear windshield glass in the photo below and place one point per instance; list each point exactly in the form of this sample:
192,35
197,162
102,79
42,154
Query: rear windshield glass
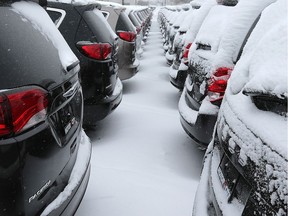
27,56
124,23
99,26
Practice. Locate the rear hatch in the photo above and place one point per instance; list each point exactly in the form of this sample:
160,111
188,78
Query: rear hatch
124,24
46,152
102,33
206,46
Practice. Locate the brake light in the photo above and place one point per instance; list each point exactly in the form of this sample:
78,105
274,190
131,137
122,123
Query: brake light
223,71
21,109
185,54
127,36
98,51
217,83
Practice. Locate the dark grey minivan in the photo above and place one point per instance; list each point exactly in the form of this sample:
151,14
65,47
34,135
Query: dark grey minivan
124,28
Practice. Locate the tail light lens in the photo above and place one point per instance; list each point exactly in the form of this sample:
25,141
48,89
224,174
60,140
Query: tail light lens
218,83
127,36
21,109
185,54
97,51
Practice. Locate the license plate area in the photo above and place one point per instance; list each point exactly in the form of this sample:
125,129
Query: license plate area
67,118
233,183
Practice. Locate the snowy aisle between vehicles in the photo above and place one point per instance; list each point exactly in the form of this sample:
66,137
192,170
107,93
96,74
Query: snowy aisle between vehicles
143,163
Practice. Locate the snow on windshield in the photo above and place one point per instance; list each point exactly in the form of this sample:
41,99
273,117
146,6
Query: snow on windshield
32,12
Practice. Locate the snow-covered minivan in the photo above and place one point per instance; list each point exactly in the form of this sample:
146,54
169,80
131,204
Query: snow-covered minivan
211,64
245,169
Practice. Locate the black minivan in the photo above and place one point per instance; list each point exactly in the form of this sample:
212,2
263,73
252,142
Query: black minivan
41,109
96,45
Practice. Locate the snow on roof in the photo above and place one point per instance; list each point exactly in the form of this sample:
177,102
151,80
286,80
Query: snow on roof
32,11
209,34
200,15
213,26
196,3
263,67
245,13
86,2
180,17
268,68
130,8
188,19
107,3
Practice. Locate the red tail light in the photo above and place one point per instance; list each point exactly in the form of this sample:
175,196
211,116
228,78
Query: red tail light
185,53
127,36
98,51
223,71
218,83
21,109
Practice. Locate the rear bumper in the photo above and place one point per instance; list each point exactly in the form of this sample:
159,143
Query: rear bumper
128,71
169,57
68,201
179,80
203,204
102,107
127,61
197,125
214,201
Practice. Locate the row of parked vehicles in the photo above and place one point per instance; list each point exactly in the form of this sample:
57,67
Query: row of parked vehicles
229,59
59,62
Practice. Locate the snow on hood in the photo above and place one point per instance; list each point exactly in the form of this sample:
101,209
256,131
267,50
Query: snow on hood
263,67
245,13
32,12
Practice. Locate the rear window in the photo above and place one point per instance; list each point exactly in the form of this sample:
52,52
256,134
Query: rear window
105,14
99,26
27,56
134,20
124,23
57,15
227,2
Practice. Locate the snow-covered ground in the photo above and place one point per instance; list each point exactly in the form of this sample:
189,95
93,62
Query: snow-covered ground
143,163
